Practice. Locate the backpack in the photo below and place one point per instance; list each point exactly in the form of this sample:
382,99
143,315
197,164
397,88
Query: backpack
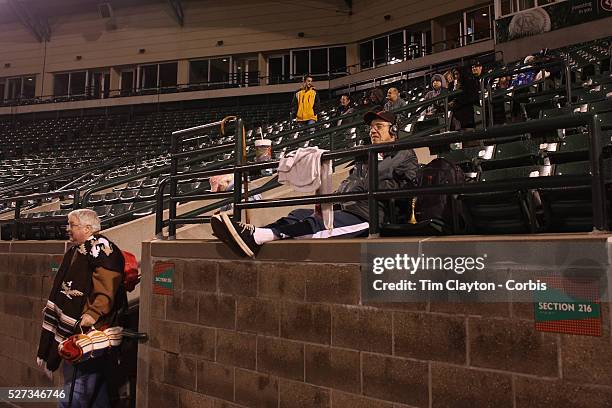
130,271
429,214
437,207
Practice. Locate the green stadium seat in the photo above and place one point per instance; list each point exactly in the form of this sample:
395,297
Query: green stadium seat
503,212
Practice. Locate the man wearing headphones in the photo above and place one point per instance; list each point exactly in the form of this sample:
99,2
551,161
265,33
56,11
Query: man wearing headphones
396,170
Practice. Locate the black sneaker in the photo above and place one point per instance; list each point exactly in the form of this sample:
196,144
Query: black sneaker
243,235
220,231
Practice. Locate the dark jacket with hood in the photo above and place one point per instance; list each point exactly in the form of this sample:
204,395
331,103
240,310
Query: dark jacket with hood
433,93
397,170
463,104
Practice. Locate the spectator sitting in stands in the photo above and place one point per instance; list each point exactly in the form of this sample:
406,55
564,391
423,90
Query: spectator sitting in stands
462,106
450,80
306,104
476,69
499,109
393,100
438,87
396,170
374,100
346,105
225,182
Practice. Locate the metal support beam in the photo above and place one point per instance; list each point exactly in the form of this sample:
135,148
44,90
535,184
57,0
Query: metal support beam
177,7
39,27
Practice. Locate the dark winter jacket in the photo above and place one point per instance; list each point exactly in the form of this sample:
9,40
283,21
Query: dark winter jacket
397,170
463,104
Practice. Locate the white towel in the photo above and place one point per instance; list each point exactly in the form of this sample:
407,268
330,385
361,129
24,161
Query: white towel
305,173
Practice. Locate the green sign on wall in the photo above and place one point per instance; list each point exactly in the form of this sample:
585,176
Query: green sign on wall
163,278
558,311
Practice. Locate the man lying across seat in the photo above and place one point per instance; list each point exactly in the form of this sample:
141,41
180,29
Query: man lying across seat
396,170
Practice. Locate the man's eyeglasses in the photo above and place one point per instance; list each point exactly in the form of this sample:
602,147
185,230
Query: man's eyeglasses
379,126
72,226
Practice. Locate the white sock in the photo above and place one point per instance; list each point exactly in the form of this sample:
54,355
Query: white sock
263,235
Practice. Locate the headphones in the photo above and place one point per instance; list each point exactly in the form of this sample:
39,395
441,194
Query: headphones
393,129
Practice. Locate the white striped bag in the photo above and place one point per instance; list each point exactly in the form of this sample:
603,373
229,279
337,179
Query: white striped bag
82,347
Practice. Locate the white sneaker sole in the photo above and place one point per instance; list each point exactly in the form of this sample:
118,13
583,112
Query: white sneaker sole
230,226
220,231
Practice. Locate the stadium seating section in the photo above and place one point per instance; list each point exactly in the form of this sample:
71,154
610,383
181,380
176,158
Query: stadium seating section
116,162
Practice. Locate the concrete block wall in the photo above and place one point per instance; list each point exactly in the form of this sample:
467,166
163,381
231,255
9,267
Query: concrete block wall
290,330
25,282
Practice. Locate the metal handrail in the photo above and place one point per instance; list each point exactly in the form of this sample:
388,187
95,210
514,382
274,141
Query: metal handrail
486,99
239,165
595,180
64,174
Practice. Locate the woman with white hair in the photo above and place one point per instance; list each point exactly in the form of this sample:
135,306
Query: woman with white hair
87,292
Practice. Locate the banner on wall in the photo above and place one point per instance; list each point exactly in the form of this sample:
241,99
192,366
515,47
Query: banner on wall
540,20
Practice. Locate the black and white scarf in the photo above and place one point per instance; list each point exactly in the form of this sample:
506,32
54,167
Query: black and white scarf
70,291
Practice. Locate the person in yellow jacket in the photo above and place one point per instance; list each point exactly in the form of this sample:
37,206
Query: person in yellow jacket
305,104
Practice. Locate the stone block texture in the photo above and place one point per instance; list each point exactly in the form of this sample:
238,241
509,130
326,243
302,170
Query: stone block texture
269,333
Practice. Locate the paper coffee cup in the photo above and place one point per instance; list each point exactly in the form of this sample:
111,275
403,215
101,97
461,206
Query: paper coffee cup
263,150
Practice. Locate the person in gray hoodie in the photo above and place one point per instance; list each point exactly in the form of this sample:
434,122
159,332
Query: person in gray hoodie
438,87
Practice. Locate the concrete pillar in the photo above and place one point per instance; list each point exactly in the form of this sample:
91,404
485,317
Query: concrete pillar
46,84
262,65
38,92
183,72
115,81
352,58
437,34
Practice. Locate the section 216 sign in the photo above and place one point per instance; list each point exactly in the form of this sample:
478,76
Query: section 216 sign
569,306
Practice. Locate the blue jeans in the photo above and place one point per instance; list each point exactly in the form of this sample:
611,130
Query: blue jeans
303,223
306,122
90,387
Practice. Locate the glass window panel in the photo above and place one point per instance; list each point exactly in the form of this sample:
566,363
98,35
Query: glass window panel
526,4
318,61
219,70
252,72
77,83
167,74
14,88
300,62
127,82
337,59
381,48
414,38
479,24
427,42
275,70
396,47
106,87
365,54
452,34
148,76
198,71
29,87
60,84
286,66
506,7
95,84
